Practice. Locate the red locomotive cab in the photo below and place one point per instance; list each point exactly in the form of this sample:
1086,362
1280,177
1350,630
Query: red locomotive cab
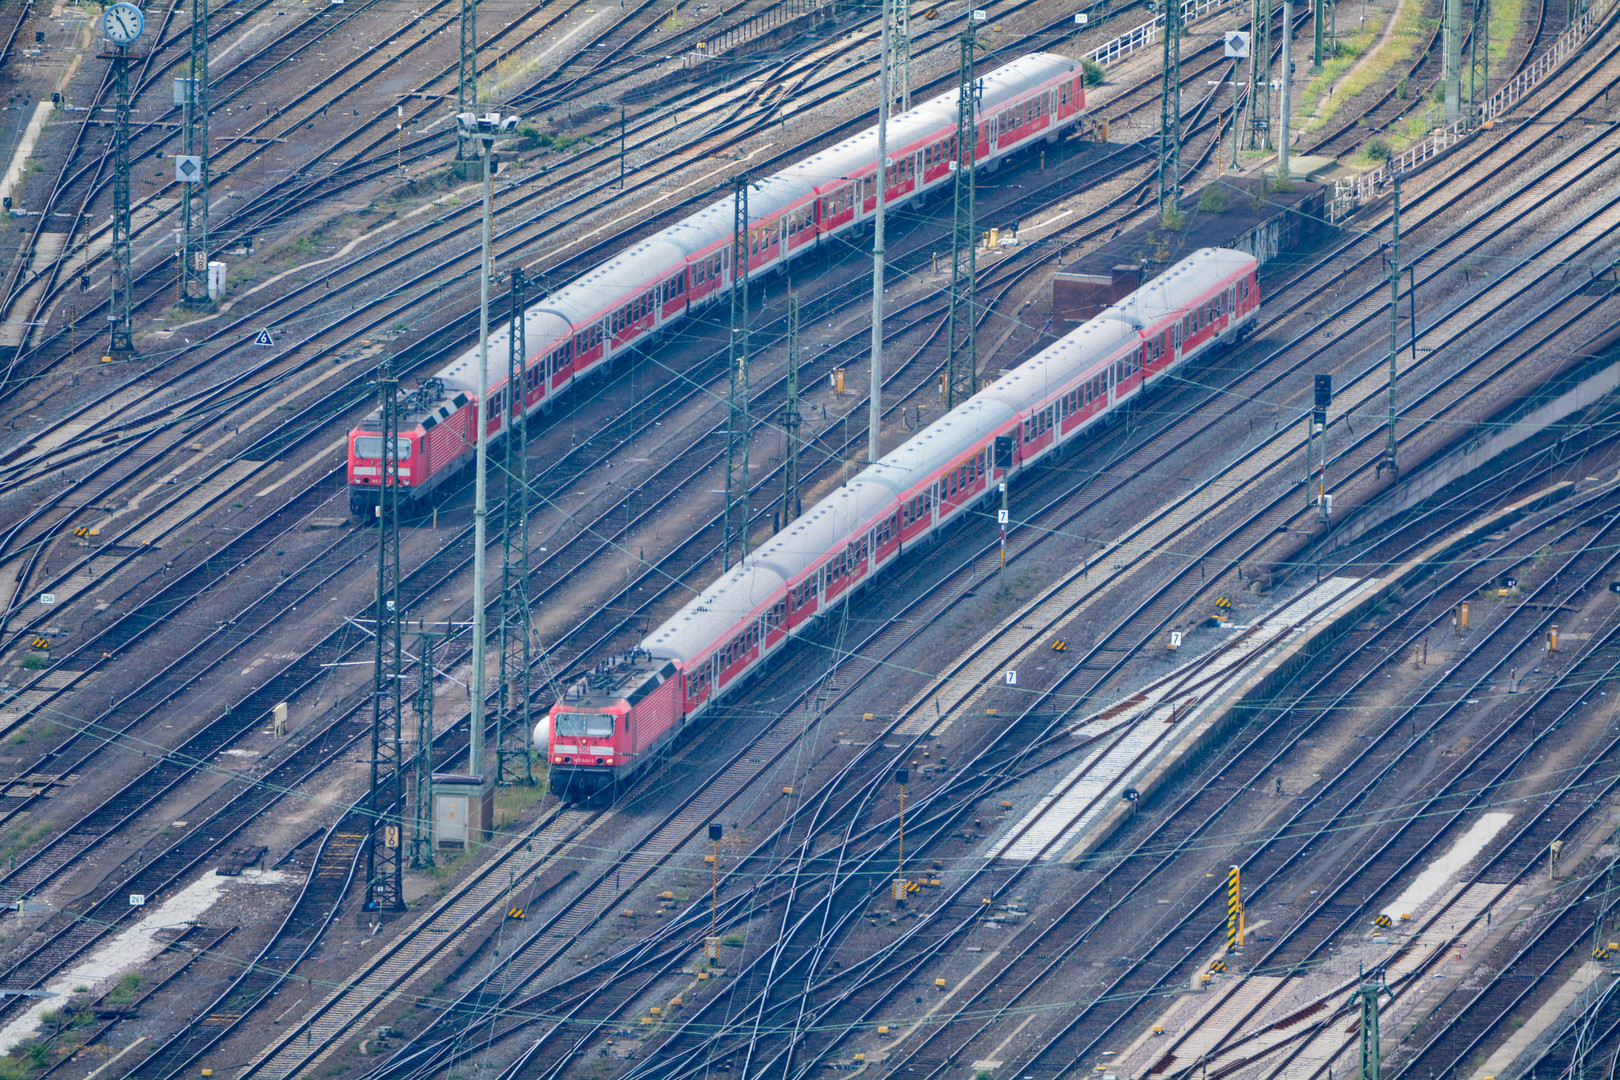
587,737
366,467
610,724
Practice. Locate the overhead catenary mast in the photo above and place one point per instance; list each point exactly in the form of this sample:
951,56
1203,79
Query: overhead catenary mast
874,405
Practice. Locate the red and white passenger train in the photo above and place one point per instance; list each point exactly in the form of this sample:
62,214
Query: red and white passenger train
617,719
622,303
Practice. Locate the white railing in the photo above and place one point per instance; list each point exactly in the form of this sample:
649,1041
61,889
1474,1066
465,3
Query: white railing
1142,36
1348,195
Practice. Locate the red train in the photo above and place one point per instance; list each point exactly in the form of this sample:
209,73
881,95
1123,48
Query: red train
633,296
615,720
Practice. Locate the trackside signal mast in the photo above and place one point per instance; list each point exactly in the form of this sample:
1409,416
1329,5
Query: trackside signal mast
711,944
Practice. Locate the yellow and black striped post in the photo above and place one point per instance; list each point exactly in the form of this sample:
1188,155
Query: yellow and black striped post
1234,909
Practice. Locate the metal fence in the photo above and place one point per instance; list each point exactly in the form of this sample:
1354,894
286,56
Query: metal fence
1350,194
1146,34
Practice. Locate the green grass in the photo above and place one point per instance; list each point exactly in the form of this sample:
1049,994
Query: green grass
512,802
126,990
1410,29
1505,17
19,840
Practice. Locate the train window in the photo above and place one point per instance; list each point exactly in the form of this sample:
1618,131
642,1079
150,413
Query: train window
1065,94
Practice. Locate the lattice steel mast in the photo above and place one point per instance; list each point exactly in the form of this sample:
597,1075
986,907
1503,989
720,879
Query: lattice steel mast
1391,460
194,188
1260,77
1479,62
962,375
736,515
1367,1030
384,876
900,51
122,345
791,419
1170,114
513,734
467,85
422,764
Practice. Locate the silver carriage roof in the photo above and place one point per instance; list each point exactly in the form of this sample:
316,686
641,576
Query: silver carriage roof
643,263
1197,273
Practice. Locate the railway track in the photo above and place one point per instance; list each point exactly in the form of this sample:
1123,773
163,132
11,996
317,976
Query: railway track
46,863
881,971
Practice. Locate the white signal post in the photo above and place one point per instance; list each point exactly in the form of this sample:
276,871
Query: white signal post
1002,517
1237,48
484,129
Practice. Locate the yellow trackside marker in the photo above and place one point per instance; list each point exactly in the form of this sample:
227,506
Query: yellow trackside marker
1234,908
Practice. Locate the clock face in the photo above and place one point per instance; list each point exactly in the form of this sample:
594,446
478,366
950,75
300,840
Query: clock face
122,23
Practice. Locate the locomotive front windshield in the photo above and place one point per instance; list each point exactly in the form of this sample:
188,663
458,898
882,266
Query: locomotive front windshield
371,446
589,725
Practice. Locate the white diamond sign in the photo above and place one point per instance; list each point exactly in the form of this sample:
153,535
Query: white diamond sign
187,168
1237,44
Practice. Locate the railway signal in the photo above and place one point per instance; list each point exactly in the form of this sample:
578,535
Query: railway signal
1318,431
711,944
